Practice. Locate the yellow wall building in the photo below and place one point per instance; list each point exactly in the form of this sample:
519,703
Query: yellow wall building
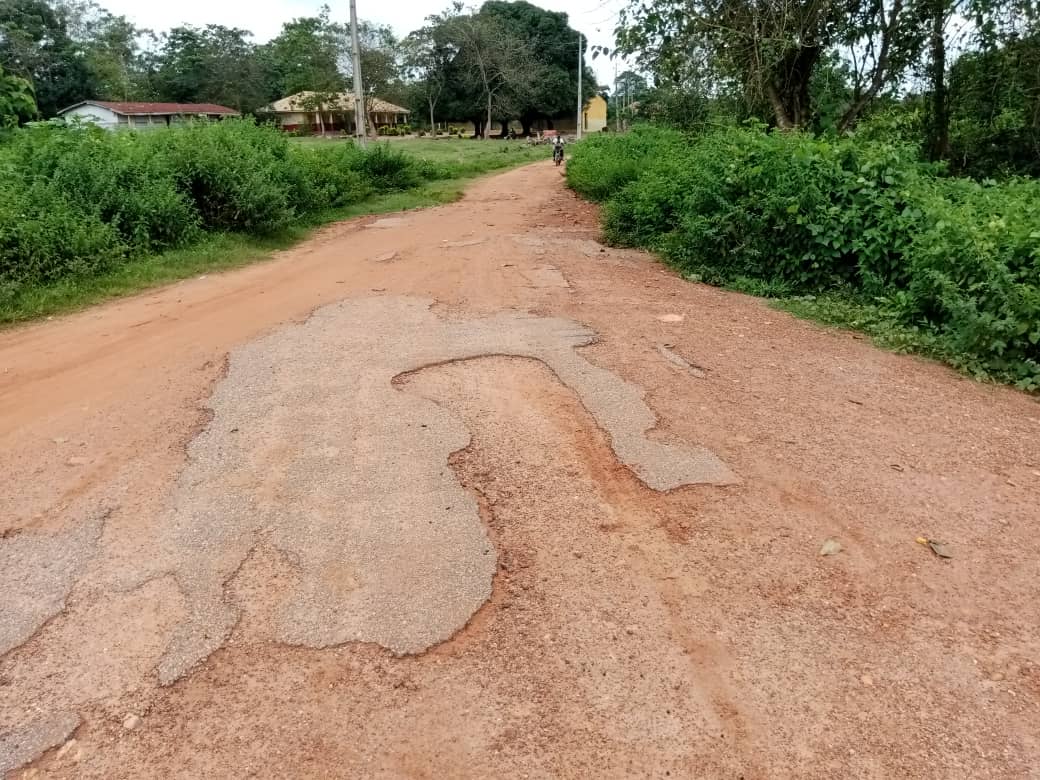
593,120
594,117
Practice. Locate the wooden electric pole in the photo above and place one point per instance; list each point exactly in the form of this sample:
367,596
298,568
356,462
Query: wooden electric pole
581,103
359,93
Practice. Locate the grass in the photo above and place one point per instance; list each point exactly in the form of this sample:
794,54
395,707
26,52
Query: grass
847,312
466,155
850,311
463,159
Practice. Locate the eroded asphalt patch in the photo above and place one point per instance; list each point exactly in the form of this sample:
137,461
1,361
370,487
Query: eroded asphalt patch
313,452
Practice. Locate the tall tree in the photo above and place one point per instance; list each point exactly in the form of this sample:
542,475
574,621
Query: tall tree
110,47
35,45
496,64
306,56
381,66
427,59
773,48
548,38
215,64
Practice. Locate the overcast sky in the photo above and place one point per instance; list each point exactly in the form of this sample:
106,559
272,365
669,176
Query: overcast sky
594,18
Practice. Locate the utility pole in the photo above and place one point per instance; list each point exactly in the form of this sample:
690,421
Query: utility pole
359,93
628,103
617,100
581,103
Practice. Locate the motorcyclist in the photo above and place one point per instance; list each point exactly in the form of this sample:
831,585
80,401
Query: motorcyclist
557,145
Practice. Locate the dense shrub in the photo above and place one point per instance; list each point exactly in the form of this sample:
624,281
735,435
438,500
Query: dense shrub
329,176
605,163
795,214
388,169
45,237
237,174
76,200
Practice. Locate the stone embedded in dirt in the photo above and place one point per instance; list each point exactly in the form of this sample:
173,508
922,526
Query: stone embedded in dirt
386,257
679,361
131,722
867,680
70,749
77,460
464,243
671,317
631,630
388,222
941,549
59,440
831,547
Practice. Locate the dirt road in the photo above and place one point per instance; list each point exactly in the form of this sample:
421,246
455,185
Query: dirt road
463,493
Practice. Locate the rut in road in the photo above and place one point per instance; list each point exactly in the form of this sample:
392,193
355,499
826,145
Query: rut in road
602,598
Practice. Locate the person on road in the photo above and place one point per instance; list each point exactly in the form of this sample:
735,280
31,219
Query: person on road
557,145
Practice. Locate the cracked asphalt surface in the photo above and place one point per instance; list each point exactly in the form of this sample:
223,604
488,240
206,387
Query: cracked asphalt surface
469,494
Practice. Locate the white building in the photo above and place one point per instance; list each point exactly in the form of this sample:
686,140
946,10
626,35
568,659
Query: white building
143,115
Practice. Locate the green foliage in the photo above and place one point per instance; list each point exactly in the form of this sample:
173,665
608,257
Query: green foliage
952,261
17,101
303,57
605,163
396,130
331,174
77,201
35,45
995,110
237,175
214,64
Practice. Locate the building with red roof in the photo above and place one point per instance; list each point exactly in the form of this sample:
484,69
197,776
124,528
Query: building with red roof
143,115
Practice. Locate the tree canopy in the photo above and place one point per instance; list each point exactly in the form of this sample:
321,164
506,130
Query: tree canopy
504,61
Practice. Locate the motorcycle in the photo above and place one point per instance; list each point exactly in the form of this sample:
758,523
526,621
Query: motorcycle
558,154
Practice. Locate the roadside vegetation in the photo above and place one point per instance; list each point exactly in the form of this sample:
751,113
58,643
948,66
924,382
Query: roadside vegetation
855,232
86,213
869,165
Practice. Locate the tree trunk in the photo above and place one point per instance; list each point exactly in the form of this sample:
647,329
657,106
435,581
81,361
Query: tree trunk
939,122
780,110
321,123
370,115
487,127
890,31
433,127
789,92
525,123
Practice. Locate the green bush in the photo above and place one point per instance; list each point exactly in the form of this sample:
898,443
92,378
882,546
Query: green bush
237,174
329,176
389,169
605,163
77,201
45,237
786,213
